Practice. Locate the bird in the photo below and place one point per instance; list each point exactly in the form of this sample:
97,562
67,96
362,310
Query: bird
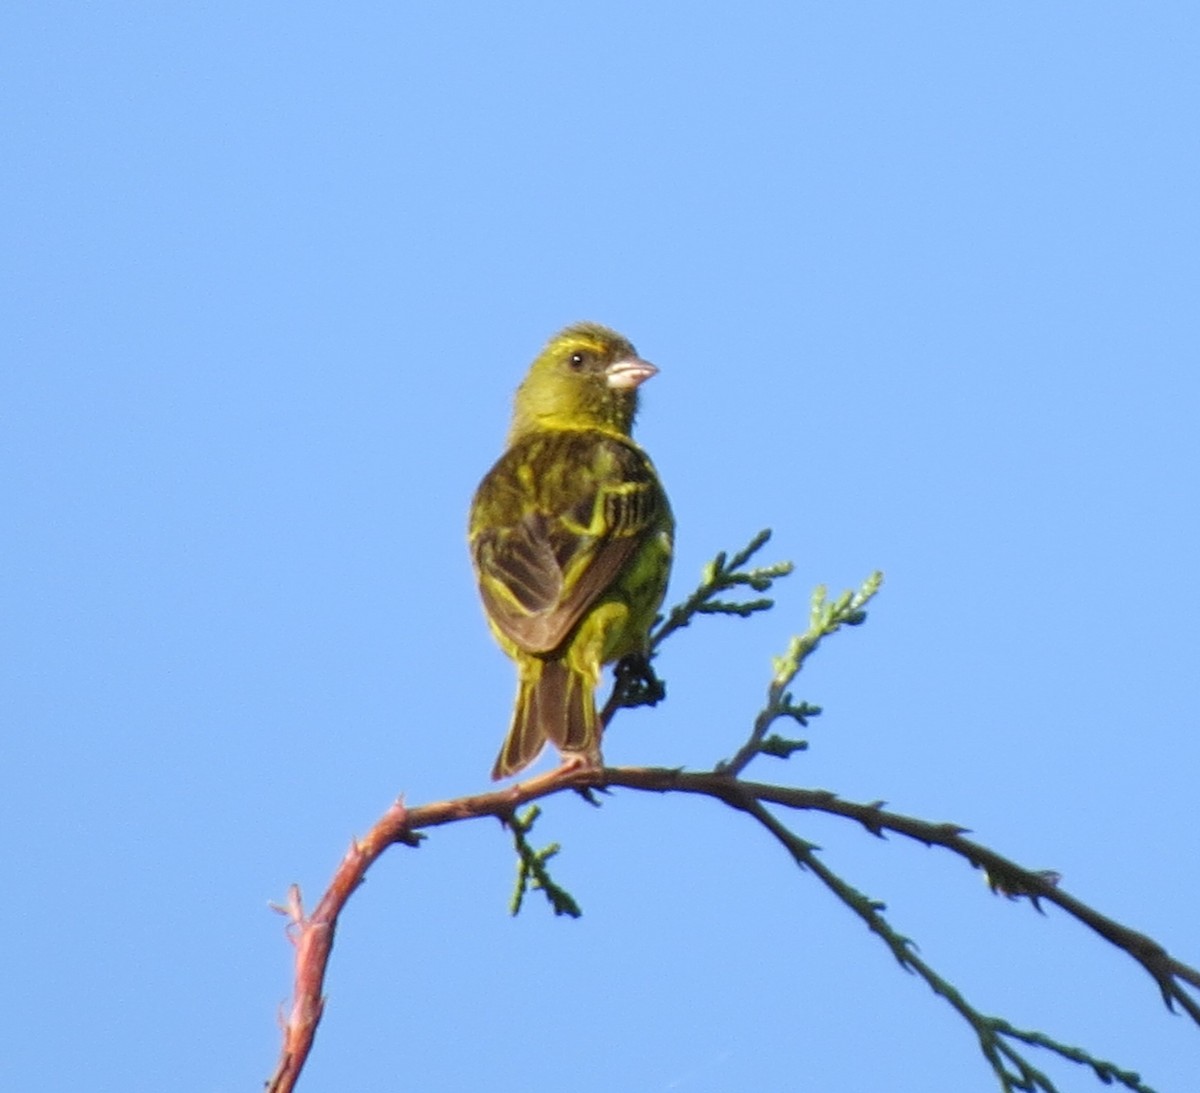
570,535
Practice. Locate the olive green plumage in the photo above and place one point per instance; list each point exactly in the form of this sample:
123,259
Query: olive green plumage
570,536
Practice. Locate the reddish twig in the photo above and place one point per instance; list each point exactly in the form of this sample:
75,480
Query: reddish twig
312,935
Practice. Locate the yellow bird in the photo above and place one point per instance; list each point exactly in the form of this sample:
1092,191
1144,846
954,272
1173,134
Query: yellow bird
570,536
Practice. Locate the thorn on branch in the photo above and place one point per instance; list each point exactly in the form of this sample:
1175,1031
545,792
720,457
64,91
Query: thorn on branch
293,910
1012,886
588,793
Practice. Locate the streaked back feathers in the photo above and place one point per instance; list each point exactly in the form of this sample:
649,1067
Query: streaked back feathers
570,535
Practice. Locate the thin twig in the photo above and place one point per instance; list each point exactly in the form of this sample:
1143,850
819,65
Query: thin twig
312,936
989,1030
1164,968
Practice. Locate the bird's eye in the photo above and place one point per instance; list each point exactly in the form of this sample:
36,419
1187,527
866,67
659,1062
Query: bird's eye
576,361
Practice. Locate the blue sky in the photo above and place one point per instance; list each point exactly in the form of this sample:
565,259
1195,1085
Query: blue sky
921,281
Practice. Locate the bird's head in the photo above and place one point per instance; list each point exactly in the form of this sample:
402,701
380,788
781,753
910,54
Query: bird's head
586,377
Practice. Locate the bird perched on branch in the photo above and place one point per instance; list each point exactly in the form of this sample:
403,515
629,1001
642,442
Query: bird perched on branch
570,536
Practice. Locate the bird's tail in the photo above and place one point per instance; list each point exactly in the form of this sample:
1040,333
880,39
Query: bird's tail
555,703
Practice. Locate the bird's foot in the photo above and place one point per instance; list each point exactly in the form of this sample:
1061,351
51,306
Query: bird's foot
636,682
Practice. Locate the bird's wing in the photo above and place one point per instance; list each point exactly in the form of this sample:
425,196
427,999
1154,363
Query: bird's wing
539,575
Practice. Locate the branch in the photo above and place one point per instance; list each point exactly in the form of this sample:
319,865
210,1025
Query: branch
1010,1066
313,935
636,684
1165,969
724,574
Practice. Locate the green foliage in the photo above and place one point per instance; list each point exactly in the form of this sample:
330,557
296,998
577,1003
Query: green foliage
724,574
531,868
824,619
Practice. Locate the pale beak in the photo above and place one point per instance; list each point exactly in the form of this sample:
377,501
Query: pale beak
629,373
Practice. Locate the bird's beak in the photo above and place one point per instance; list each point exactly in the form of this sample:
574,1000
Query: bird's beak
629,373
